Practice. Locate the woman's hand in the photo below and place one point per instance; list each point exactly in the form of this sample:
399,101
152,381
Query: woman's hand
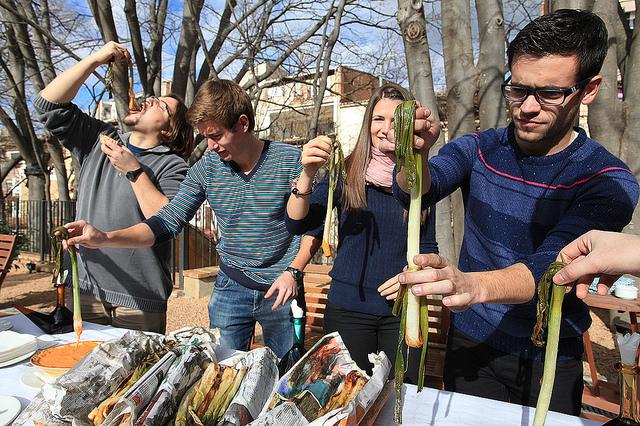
389,288
315,153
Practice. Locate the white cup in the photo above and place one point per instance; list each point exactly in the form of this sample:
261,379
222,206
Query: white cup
626,292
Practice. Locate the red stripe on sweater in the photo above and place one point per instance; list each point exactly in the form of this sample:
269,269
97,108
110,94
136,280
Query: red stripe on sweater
543,185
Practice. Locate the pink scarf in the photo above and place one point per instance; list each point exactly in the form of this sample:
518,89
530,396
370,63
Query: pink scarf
380,169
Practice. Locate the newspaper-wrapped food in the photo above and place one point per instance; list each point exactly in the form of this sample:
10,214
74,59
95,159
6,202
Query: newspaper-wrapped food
232,392
325,387
255,389
74,394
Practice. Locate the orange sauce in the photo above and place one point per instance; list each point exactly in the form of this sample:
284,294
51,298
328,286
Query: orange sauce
65,356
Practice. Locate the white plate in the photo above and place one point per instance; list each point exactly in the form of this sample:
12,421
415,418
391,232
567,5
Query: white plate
17,359
5,325
9,409
31,380
13,344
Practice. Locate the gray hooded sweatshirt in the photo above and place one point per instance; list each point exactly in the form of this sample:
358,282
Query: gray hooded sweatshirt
135,278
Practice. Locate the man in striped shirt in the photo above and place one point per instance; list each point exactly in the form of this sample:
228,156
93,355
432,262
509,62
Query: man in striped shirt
247,182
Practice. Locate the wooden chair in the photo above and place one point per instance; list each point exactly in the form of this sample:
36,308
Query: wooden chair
316,291
599,394
7,249
437,343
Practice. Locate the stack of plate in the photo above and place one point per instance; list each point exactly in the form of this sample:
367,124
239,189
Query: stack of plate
15,347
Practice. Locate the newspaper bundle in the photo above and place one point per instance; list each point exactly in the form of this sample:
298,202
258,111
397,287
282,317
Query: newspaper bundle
178,363
74,394
325,387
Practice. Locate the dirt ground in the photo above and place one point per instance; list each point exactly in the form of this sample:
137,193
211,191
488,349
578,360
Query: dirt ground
34,290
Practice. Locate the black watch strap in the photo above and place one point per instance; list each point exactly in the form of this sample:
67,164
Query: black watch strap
297,274
133,174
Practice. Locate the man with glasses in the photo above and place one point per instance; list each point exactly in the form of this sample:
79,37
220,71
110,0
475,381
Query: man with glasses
528,189
125,177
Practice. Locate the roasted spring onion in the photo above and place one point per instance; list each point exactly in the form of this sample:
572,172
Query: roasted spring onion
413,310
549,316
56,244
336,170
109,85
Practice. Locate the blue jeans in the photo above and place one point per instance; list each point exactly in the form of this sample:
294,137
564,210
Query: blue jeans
234,309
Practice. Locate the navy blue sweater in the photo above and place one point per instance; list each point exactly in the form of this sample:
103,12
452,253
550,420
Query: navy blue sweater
525,209
372,246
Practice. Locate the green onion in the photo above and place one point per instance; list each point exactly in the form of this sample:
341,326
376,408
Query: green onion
414,322
336,169
548,313
56,243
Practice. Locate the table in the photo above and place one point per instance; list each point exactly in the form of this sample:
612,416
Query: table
441,408
430,407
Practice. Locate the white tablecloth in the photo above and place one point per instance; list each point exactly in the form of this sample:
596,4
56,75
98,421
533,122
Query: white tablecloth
11,382
429,407
434,407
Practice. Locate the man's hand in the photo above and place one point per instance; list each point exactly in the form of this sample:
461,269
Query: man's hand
84,234
286,287
120,156
439,276
112,51
389,288
606,255
426,132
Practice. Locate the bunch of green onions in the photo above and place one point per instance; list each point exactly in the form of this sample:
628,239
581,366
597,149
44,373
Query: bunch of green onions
549,316
413,310
57,236
337,170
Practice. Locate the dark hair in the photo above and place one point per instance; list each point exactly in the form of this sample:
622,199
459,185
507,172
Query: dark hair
221,101
354,195
181,137
564,32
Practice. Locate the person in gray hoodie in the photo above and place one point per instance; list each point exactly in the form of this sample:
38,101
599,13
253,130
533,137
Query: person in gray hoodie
124,179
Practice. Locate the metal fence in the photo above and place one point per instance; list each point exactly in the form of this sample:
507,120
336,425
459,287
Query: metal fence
34,220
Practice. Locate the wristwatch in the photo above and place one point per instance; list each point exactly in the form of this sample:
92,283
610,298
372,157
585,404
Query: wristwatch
297,274
133,174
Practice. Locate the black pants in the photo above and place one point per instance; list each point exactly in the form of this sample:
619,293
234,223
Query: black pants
476,369
364,334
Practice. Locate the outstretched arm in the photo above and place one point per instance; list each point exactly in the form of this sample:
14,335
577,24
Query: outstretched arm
65,86
86,235
602,254
514,284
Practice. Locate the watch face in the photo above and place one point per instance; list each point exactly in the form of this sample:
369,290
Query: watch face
132,175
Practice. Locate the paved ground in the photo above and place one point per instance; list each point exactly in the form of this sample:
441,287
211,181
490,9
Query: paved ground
35,291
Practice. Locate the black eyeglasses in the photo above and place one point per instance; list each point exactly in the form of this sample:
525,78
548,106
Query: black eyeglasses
544,96
162,104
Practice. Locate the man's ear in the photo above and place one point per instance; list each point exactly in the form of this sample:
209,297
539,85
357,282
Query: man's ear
166,134
243,123
591,90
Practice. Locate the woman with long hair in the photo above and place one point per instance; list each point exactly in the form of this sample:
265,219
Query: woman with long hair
372,233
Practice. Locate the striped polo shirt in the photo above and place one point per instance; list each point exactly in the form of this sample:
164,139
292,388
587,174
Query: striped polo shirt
255,246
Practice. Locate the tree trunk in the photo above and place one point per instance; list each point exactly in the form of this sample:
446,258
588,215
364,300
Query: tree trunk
460,77
491,64
186,45
606,117
416,48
